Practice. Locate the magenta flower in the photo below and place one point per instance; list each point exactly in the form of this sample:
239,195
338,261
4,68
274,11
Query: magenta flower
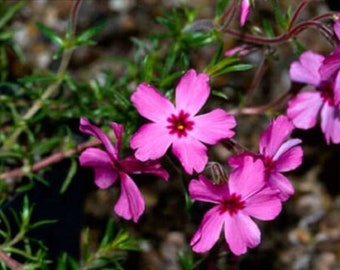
280,155
304,109
277,154
330,68
245,195
108,168
179,125
245,11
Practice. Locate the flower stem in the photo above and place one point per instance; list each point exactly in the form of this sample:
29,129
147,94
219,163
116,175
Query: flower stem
11,263
264,108
54,158
256,81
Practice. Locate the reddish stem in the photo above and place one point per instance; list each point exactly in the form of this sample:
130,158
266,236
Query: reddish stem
11,263
263,108
54,158
74,15
297,13
256,80
226,19
279,39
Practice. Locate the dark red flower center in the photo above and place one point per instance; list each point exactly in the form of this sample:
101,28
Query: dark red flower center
327,92
180,124
232,204
269,164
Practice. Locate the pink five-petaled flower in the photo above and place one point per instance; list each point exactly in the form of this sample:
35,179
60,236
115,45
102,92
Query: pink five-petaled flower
108,168
277,154
178,125
280,155
245,195
304,109
245,10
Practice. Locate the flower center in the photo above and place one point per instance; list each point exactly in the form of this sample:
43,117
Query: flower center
232,204
180,124
327,92
269,164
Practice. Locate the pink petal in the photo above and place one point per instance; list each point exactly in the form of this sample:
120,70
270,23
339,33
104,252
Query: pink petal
336,89
213,126
336,28
204,190
285,147
151,104
245,10
238,160
118,131
241,232
105,177
330,65
277,181
191,153
330,123
151,141
135,166
87,128
130,204
241,50
303,110
248,178
272,138
192,92
306,70
93,157
264,205
209,231
290,159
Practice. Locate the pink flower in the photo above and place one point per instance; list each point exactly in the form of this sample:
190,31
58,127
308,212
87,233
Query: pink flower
241,50
245,195
108,167
277,154
331,66
245,10
304,109
179,125
280,155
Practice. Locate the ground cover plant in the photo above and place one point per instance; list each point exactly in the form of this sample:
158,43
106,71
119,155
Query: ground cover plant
169,134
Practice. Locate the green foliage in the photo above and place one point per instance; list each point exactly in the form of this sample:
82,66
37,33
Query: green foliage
111,253
70,42
220,7
227,65
187,260
7,13
10,239
282,17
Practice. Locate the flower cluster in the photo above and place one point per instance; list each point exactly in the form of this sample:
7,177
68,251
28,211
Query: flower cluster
323,74
189,130
256,185
255,188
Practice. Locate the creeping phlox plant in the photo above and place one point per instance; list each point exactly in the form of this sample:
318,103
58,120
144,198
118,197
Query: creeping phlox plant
163,119
256,185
